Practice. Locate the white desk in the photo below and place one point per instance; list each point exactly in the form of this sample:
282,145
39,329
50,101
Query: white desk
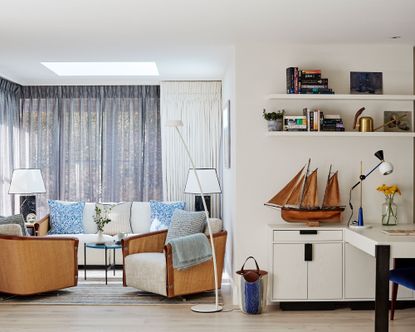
383,247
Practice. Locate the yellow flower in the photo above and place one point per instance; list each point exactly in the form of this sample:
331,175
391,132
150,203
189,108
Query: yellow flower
389,191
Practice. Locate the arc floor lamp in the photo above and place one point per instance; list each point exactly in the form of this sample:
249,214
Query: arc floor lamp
201,307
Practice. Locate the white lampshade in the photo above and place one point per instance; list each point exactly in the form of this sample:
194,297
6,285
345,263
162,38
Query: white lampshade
386,168
27,181
208,180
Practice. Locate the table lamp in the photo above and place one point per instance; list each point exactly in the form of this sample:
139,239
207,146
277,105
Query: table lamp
205,308
27,182
209,182
385,168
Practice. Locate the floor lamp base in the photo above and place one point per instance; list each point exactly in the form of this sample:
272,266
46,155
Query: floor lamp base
205,308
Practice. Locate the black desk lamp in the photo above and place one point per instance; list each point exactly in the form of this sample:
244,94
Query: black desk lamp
385,168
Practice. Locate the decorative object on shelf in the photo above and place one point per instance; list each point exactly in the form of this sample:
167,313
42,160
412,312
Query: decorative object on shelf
389,208
365,122
298,199
274,119
385,168
366,83
27,182
226,123
101,219
209,183
295,123
204,308
397,121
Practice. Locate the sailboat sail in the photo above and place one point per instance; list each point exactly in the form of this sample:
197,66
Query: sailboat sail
310,193
282,197
295,197
332,194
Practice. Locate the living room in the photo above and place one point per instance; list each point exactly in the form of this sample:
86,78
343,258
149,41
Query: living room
99,137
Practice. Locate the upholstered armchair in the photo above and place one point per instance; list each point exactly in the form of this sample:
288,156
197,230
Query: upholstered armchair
31,265
148,266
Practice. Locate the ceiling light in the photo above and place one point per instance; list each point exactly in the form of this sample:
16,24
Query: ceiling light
103,68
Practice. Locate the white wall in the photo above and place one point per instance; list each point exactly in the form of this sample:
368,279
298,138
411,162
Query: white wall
228,179
265,164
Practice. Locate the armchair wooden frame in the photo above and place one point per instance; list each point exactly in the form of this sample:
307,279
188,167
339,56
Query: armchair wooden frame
196,279
32,265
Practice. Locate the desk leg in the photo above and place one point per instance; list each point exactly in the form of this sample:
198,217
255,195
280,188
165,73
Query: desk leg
382,288
106,267
84,261
113,255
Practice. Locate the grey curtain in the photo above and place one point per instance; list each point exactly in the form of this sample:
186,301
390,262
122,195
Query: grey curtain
94,143
9,126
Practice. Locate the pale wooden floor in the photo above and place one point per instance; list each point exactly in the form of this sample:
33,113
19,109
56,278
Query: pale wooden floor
172,318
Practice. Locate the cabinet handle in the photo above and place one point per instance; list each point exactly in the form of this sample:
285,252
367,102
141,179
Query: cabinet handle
308,231
308,252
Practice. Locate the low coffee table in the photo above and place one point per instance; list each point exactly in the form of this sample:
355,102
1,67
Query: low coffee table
106,246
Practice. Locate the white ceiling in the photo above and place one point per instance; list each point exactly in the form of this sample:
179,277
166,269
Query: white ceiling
189,39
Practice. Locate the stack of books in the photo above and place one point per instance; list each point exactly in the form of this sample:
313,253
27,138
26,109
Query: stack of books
307,82
317,121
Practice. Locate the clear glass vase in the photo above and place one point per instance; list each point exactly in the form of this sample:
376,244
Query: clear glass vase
389,212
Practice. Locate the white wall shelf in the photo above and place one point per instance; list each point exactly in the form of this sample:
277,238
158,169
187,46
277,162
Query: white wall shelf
338,134
339,97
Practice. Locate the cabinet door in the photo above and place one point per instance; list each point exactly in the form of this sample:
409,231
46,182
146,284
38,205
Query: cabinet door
325,272
289,277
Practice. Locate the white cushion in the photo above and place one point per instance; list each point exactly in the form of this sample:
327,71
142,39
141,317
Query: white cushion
140,217
89,213
120,218
216,225
11,229
94,256
147,272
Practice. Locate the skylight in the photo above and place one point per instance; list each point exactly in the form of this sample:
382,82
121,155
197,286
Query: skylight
103,68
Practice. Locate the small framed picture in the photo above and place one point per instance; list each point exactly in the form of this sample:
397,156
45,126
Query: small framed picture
366,82
226,113
397,121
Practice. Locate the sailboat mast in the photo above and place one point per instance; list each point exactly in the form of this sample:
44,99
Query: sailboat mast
305,181
327,185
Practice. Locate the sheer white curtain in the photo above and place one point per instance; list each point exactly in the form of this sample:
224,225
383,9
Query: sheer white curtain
9,126
199,106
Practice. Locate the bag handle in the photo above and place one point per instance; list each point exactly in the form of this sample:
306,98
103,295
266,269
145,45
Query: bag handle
256,263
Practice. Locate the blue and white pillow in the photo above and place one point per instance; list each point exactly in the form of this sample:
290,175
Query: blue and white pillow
66,218
161,214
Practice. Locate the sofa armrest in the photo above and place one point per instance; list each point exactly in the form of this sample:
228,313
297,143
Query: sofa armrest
148,242
42,226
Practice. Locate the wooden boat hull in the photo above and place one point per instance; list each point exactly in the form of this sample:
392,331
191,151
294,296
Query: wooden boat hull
311,216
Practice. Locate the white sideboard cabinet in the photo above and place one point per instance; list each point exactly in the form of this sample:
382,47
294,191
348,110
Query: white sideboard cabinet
307,264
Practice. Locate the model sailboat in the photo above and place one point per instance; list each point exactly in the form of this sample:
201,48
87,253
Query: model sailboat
299,203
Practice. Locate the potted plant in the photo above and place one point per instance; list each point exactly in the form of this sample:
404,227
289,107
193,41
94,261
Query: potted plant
101,219
274,119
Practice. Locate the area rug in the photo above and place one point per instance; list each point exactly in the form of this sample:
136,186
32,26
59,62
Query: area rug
94,292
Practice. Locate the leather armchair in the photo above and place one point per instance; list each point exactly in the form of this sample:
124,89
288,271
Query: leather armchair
31,265
150,250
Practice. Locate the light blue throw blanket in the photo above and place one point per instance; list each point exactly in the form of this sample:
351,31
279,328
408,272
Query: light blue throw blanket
190,250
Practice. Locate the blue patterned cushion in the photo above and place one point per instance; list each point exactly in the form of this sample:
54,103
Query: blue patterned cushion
161,214
66,218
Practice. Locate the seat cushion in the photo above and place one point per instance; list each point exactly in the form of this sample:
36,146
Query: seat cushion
147,272
66,218
17,220
403,276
